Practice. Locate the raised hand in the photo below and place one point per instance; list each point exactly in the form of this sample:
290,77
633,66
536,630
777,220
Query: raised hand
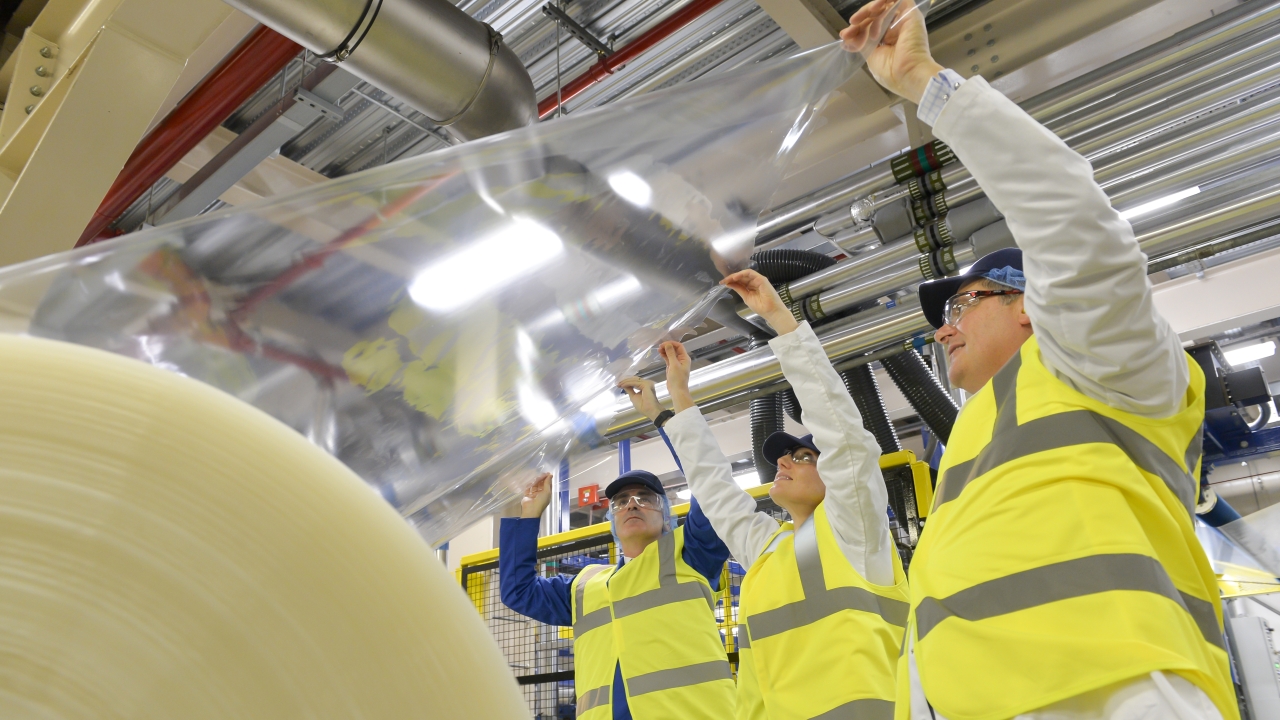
759,295
536,497
901,62
678,367
642,395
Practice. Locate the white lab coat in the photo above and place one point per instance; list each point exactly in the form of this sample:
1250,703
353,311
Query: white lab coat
849,463
1090,304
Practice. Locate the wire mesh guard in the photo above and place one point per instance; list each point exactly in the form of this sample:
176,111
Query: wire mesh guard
541,655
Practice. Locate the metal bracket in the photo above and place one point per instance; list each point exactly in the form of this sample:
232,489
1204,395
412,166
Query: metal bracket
578,31
329,110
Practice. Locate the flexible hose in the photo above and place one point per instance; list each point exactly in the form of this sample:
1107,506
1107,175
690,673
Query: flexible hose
925,394
790,404
783,265
861,384
766,419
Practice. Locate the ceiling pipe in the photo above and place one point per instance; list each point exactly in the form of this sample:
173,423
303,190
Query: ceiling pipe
263,54
608,63
446,64
1228,42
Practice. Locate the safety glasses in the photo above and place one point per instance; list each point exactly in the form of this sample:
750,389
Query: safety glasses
644,501
803,456
960,302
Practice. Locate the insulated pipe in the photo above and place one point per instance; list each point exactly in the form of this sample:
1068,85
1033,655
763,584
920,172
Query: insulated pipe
263,54
453,68
1129,78
605,66
1230,58
1180,50
925,394
881,176
1218,145
759,368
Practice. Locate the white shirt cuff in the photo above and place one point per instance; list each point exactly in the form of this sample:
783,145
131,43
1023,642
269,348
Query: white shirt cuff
936,95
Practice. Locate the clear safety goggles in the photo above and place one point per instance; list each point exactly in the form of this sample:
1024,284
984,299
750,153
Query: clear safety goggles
644,501
960,302
803,456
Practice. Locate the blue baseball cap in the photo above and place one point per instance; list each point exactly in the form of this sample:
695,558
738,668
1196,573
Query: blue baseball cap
635,477
780,443
1002,266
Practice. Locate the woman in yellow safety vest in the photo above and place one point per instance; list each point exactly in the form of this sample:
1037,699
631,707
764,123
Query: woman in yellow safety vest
646,645
824,602
1059,575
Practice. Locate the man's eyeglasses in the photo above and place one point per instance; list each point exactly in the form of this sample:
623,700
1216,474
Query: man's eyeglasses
960,302
644,501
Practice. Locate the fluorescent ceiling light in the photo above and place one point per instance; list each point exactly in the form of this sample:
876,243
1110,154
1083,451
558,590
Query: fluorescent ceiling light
1240,356
616,291
535,407
468,275
1158,203
632,188
684,494
747,479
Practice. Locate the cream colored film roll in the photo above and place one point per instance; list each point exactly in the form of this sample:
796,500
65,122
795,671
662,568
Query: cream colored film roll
167,551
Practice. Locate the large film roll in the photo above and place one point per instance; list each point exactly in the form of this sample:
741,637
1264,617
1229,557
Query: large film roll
167,551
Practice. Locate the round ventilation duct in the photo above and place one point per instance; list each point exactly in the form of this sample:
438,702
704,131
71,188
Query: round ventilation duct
428,53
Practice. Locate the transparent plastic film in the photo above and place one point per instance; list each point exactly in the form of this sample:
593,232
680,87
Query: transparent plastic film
448,325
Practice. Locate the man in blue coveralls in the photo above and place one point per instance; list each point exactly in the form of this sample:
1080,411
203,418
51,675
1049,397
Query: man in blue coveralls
646,645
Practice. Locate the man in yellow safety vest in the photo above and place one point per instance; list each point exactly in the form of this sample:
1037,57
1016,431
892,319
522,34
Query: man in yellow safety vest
646,645
824,602
1059,574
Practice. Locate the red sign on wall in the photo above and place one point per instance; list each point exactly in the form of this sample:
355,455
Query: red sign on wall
588,495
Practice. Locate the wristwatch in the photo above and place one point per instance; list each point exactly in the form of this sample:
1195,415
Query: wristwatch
662,418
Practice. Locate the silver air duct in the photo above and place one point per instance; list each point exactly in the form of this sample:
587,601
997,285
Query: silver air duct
428,53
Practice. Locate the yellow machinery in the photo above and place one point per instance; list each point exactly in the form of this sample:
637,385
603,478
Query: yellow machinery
541,656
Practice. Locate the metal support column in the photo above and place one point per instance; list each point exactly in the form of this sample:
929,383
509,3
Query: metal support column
624,456
562,492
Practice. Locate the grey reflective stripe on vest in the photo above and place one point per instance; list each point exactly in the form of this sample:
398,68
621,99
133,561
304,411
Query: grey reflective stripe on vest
867,709
593,699
776,541
1011,441
600,617
679,677
1062,581
1195,449
819,602
744,638
669,590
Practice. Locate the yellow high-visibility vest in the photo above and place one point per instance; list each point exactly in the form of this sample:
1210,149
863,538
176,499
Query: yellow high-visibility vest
824,641
1060,554
654,617
749,705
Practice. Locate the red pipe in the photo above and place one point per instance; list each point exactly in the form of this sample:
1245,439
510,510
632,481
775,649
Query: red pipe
609,63
263,54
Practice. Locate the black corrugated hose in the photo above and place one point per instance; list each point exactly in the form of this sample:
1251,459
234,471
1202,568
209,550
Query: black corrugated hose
766,419
934,406
861,384
783,265
791,404
779,266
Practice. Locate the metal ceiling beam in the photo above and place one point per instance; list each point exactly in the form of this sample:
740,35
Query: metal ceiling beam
112,64
316,98
811,23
